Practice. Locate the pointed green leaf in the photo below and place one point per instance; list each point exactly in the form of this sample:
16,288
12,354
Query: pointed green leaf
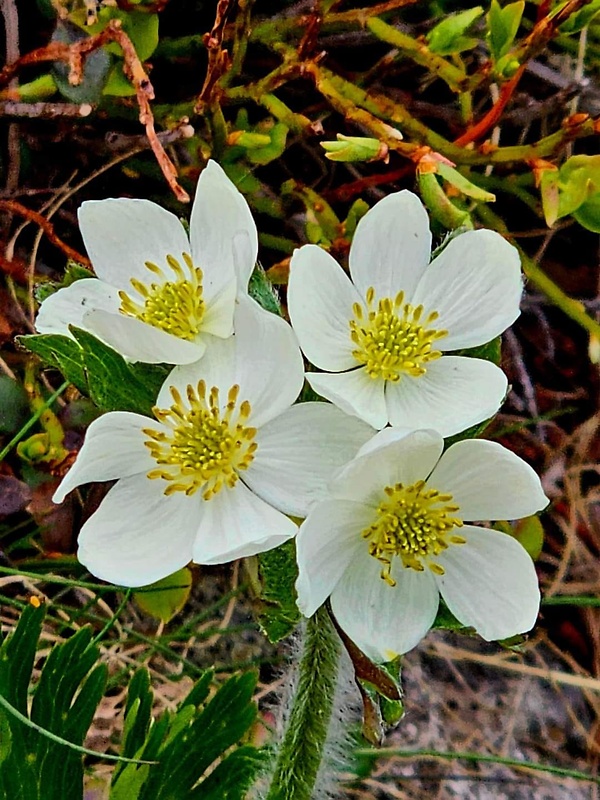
278,613
503,24
448,35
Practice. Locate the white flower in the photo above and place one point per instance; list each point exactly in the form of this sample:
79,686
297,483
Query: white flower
160,296
381,335
391,538
209,478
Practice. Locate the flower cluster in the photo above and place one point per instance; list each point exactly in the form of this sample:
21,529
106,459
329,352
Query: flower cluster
229,460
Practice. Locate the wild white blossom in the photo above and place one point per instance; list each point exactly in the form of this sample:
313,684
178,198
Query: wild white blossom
160,295
212,477
391,537
383,337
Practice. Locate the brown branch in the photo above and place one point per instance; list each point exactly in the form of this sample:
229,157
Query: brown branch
75,54
218,57
42,110
48,228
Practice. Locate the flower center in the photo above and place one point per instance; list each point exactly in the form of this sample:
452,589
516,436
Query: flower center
413,523
174,306
199,447
393,339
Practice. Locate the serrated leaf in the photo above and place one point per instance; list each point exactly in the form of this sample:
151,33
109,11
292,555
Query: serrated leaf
261,289
503,24
448,35
113,383
165,598
60,352
278,613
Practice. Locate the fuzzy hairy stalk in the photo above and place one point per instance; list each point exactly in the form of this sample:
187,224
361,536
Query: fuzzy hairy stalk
301,751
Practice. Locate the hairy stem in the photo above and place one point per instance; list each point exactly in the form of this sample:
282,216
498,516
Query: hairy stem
301,750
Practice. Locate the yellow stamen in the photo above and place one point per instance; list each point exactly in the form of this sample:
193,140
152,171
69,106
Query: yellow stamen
174,306
414,523
393,340
202,445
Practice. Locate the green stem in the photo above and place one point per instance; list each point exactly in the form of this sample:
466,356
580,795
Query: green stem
419,53
301,750
31,422
478,757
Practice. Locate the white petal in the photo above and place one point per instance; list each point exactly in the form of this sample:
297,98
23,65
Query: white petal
487,481
120,235
384,620
386,436
236,523
298,453
475,285
320,299
263,358
454,394
406,460
138,535
328,540
113,448
391,246
354,392
222,231
138,341
68,306
220,308
490,583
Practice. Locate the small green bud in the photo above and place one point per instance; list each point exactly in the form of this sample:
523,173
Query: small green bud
355,148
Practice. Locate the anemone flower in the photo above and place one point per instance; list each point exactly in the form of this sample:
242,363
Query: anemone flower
391,537
385,335
212,477
160,295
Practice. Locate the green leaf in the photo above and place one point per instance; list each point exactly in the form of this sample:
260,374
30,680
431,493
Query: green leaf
141,28
262,290
448,35
165,598
463,184
446,621
117,84
503,24
530,533
277,571
588,214
278,138
95,69
234,776
581,19
5,737
14,405
60,352
115,385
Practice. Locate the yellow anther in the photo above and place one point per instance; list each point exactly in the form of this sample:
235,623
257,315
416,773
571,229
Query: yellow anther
175,306
393,340
201,446
415,523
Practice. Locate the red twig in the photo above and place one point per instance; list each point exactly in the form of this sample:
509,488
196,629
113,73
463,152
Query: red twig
488,121
47,227
218,57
